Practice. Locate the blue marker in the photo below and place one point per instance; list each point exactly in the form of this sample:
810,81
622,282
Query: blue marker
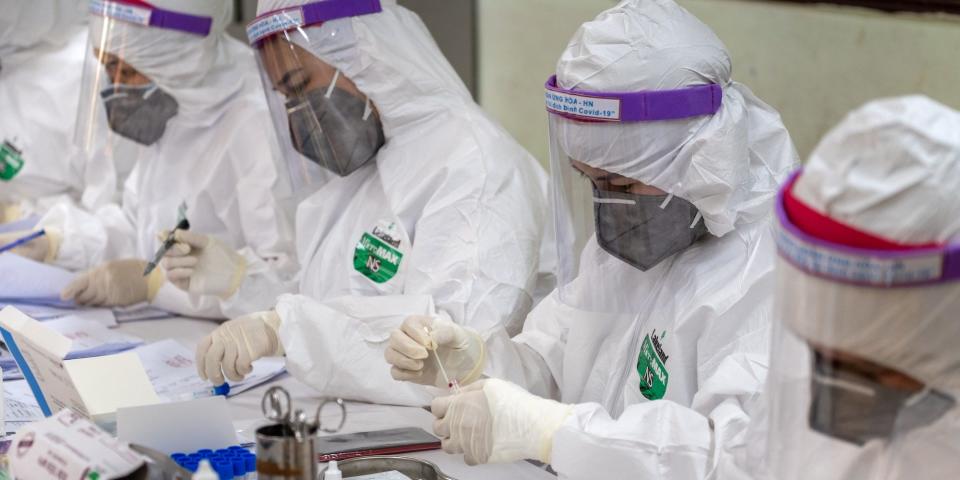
16,243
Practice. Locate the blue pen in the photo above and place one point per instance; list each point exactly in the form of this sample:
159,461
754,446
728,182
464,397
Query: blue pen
16,243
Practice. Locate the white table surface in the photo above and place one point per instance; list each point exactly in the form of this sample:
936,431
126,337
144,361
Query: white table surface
360,416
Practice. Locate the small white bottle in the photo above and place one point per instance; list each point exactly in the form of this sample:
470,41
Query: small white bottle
332,472
205,471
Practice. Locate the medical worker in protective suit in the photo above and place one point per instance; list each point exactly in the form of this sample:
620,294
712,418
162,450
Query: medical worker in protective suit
430,207
642,362
166,77
38,160
865,376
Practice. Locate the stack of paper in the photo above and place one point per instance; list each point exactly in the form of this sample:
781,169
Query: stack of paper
89,339
22,225
34,288
27,282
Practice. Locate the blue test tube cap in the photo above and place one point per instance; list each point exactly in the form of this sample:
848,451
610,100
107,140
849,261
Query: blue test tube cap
205,452
239,468
177,455
250,461
222,389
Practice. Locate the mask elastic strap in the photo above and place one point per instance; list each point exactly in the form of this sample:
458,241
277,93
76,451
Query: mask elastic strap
615,201
696,220
666,201
150,91
917,397
333,84
367,110
844,384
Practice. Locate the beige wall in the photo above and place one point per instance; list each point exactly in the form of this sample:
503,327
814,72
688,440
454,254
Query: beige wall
813,63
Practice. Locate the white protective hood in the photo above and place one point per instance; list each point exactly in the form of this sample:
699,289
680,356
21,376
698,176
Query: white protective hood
636,46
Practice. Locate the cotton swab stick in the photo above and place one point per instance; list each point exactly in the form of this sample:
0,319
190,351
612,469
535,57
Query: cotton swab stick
453,385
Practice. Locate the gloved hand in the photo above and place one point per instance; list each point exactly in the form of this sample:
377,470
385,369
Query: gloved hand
414,348
202,265
9,212
494,421
37,249
117,283
232,348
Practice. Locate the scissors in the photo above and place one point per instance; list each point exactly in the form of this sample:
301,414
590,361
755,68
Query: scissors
277,407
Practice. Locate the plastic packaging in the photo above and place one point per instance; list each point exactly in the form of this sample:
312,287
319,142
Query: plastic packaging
332,472
205,471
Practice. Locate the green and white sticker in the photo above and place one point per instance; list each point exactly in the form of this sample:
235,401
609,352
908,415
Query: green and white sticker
376,259
11,161
651,365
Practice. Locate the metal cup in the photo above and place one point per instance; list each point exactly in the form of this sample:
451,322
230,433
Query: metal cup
281,456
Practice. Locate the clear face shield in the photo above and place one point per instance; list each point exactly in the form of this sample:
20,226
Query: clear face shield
862,358
611,225
325,123
118,100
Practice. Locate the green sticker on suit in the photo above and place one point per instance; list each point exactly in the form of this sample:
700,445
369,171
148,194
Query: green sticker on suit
651,365
376,259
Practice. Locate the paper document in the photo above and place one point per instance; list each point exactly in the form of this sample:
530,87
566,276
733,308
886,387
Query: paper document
173,372
89,339
104,316
24,224
94,387
20,407
136,313
34,283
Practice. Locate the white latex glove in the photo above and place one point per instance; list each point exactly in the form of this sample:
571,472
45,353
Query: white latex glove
117,283
494,421
415,346
202,265
233,347
37,249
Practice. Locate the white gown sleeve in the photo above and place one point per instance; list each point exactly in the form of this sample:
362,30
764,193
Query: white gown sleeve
91,238
665,440
336,346
265,223
465,261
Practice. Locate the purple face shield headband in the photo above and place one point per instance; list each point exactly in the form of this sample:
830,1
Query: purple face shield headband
277,21
646,106
862,266
142,13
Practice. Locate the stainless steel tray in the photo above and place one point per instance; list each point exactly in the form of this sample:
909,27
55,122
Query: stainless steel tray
412,467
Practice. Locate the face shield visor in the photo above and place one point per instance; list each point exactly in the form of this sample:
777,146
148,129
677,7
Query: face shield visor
324,121
864,369
117,98
608,219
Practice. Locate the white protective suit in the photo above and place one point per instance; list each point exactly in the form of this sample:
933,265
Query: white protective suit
41,54
708,308
466,201
214,156
880,172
